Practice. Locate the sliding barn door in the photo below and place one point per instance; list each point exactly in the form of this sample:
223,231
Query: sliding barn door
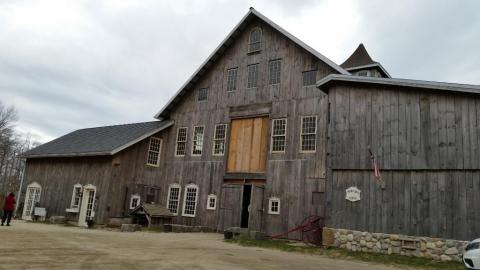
247,151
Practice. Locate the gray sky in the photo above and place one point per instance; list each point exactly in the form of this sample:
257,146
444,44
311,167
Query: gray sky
67,65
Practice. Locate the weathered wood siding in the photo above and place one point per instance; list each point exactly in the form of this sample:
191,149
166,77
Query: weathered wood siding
426,144
406,129
440,203
286,172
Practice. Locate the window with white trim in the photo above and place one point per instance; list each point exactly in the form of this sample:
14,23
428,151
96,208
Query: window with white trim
181,144
255,40
252,76
202,94
309,77
212,202
275,69
274,206
173,199
197,147
308,135
134,201
279,135
219,139
190,200
76,196
232,79
153,158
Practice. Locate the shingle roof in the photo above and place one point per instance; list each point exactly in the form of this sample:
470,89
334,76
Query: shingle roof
215,55
359,57
153,210
97,141
325,83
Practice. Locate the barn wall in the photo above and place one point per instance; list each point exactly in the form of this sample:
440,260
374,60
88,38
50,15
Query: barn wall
57,176
426,145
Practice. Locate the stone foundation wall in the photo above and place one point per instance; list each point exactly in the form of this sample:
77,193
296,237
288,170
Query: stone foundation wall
432,248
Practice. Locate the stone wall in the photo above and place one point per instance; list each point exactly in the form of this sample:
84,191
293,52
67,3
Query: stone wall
432,248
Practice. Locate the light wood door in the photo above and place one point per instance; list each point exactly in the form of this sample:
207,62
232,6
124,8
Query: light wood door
248,145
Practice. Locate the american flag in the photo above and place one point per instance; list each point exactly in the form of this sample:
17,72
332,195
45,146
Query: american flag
376,169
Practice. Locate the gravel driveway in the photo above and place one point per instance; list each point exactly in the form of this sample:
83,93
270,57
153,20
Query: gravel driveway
40,246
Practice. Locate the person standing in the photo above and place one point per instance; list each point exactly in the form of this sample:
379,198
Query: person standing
8,208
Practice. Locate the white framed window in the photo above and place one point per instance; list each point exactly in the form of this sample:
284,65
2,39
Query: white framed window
308,135
212,202
309,77
134,201
255,40
154,148
275,70
181,144
219,139
190,200
279,135
76,196
197,148
173,199
232,79
274,206
252,76
202,94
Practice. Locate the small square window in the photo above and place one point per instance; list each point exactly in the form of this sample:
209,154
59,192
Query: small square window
212,202
274,206
309,77
202,94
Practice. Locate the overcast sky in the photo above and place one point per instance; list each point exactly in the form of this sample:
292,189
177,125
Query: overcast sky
67,65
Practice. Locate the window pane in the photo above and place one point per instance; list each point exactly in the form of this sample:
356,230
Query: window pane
202,94
174,193
275,71
252,75
309,77
232,79
181,141
197,140
219,139
255,42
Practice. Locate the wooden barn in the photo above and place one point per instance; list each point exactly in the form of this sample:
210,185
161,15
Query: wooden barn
268,132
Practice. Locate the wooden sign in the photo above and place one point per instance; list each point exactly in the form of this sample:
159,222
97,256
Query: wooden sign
352,194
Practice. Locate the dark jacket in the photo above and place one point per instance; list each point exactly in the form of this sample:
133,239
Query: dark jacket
9,203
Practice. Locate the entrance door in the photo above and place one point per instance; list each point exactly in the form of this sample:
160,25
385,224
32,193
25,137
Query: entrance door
88,203
255,222
246,200
31,199
230,206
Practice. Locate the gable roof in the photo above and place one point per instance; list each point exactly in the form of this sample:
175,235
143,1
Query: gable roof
98,141
215,55
153,210
360,59
330,80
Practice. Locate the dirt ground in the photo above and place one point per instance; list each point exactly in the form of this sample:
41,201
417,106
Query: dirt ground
40,246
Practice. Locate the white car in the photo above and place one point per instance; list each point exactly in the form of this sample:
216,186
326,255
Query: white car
471,257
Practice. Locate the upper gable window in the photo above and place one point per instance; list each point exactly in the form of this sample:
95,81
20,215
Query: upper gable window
275,68
255,40
202,94
365,73
232,79
252,76
309,77
153,158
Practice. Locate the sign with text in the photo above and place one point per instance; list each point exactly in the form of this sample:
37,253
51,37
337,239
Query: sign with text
352,194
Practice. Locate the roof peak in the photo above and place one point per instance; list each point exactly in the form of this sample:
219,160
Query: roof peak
359,57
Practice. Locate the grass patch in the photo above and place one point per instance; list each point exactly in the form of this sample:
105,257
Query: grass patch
335,253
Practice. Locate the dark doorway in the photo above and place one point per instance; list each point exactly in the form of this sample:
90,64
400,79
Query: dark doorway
247,194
